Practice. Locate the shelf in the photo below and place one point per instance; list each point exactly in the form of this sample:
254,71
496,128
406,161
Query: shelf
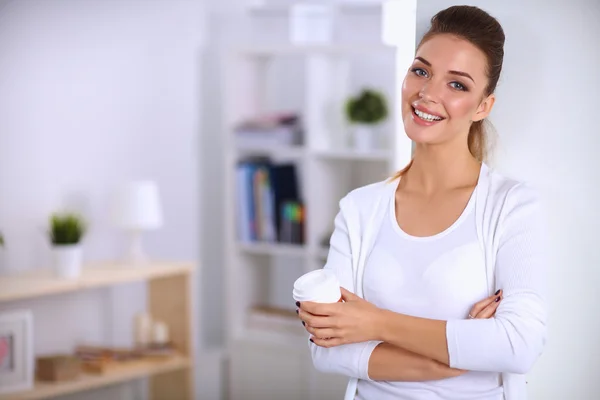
284,9
298,152
118,374
350,155
357,49
275,320
274,249
41,282
280,335
283,152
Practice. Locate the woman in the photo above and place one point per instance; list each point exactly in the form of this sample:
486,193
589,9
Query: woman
417,251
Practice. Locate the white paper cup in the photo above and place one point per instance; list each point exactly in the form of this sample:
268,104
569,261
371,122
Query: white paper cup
319,286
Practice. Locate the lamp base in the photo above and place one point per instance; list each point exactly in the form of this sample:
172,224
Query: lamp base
135,252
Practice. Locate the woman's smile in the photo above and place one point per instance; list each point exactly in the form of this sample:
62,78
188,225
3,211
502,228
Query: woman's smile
425,117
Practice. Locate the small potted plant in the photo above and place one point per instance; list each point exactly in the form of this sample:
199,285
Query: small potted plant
365,112
66,233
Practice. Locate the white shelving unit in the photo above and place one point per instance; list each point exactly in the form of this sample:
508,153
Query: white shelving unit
268,354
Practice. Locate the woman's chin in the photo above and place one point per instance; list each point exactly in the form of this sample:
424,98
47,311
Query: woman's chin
421,134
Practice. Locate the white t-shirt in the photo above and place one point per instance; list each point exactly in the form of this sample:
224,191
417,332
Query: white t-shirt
437,277
512,231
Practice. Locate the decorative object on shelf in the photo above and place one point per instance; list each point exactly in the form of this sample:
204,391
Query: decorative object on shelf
100,359
2,255
142,329
311,23
137,208
274,319
16,351
269,131
57,368
149,332
365,112
160,333
66,233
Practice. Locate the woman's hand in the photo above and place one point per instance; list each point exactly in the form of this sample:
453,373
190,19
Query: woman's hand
356,320
487,307
332,324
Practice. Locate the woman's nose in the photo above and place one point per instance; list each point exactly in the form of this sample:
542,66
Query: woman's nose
429,92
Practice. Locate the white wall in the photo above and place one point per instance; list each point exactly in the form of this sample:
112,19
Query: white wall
92,93
545,118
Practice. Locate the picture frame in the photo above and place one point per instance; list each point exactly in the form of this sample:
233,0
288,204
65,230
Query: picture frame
16,351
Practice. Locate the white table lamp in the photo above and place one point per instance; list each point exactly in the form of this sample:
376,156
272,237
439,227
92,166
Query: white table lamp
137,209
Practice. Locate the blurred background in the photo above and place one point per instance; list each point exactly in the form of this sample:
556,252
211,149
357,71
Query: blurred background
169,168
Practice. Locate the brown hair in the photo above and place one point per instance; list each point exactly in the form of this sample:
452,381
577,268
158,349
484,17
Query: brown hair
485,32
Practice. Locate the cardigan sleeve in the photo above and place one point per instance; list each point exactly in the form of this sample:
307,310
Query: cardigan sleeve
513,340
351,360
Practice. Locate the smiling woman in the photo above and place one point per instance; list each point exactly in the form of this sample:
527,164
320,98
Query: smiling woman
448,301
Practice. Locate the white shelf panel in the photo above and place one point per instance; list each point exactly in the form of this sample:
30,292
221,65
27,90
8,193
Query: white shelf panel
357,49
283,152
276,336
269,8
350,155
274,249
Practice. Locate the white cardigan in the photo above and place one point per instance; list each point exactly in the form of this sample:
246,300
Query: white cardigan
512,235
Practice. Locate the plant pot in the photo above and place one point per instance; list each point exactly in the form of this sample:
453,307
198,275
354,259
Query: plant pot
67,260
364,137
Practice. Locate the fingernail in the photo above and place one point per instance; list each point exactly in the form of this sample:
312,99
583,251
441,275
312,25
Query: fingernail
297,312
297,304
311,340
497,299
498,291
303,324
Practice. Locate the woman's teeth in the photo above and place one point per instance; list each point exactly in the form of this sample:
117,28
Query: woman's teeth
427,117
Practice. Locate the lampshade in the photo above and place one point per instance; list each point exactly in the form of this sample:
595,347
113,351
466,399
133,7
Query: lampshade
137,206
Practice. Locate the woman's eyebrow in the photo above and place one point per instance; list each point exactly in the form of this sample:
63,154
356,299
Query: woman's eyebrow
459,73
424,61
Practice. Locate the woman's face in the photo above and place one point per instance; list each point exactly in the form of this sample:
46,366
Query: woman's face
443,90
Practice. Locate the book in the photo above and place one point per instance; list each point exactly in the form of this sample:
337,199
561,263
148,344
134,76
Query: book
268,203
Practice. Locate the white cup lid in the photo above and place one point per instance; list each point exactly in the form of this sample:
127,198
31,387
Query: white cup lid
321,286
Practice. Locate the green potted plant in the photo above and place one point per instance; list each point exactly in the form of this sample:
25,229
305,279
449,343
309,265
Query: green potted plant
365,112
66,233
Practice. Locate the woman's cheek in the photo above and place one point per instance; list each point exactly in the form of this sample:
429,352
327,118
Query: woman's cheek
459,108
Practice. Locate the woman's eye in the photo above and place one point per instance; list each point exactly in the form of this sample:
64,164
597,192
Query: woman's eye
419,71
458,86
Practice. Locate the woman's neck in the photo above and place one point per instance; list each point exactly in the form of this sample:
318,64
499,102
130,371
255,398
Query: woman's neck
435,170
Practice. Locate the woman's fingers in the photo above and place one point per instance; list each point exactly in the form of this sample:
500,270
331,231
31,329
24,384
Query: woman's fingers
327,343
316,321
320,333
490,310
483,304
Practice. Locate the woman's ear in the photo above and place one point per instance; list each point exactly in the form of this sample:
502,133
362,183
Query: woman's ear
485,108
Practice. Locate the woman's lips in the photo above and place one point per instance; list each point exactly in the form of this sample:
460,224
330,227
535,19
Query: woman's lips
424,118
